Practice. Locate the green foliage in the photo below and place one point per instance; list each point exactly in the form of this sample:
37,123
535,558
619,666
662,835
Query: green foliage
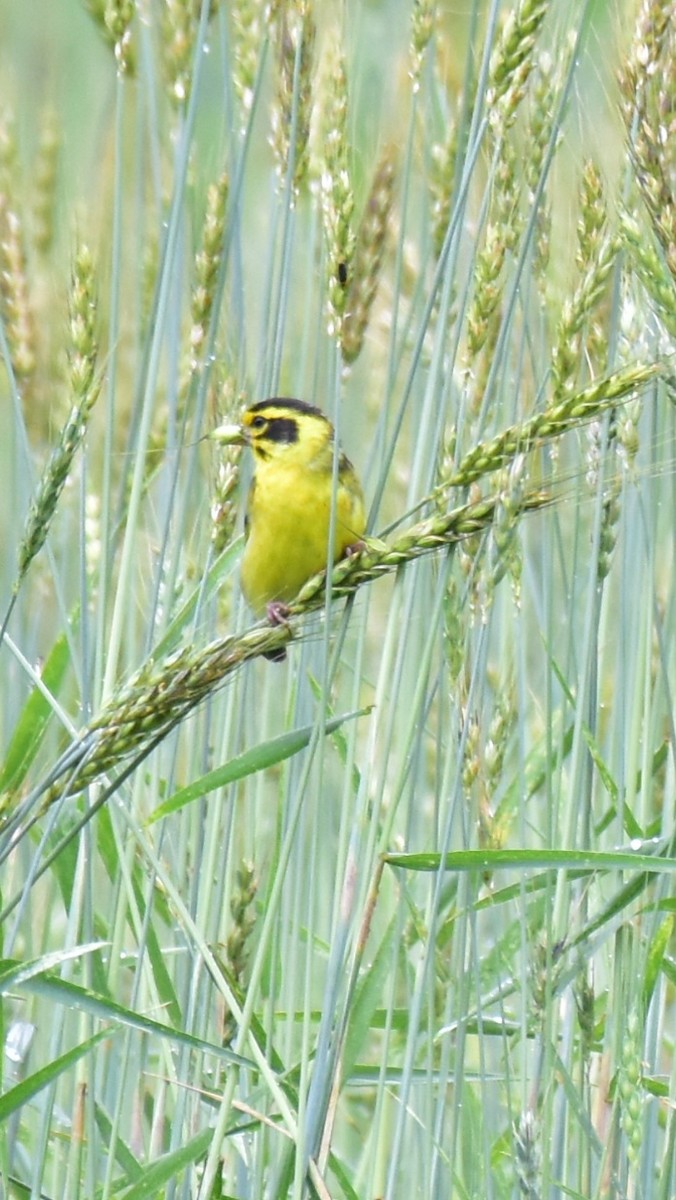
395,917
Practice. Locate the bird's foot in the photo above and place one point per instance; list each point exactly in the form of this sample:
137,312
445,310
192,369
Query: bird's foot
278,613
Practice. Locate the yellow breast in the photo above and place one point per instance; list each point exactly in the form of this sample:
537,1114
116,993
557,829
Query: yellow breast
288,522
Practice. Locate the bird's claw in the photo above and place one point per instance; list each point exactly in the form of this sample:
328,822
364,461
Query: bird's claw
278,613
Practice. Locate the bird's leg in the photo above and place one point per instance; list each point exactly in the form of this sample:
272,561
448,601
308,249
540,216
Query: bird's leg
278,613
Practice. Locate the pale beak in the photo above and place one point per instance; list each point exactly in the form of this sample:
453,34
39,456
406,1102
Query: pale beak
228,435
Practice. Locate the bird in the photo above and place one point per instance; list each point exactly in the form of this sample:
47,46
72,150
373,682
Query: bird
288,512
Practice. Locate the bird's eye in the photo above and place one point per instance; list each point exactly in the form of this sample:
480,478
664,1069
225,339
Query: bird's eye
258,423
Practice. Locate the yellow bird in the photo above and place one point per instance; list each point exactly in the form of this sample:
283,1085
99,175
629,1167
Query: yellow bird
289,505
